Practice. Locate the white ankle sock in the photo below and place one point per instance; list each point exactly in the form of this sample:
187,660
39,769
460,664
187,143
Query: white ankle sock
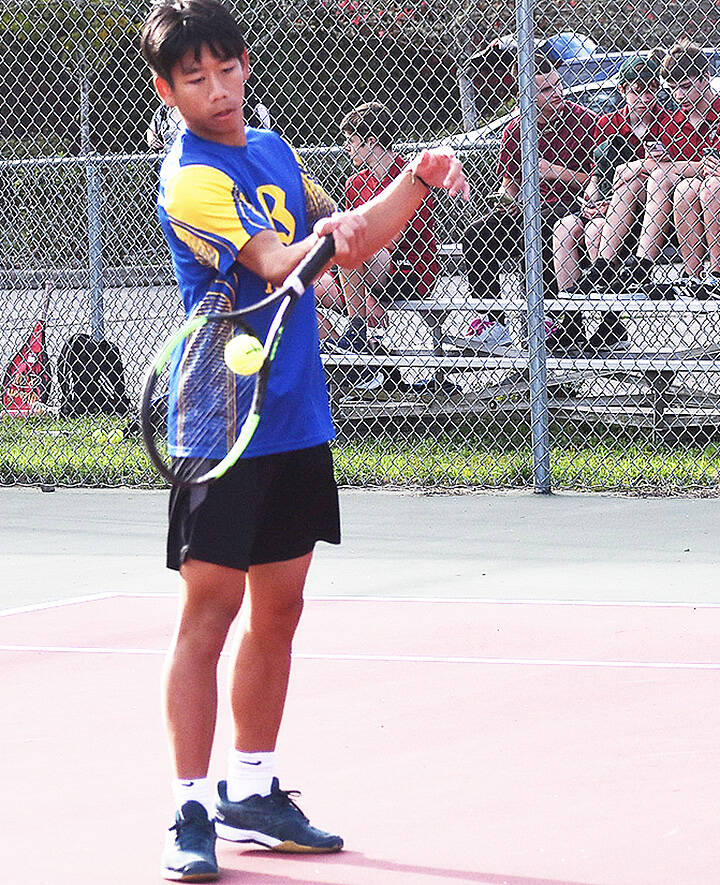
248,774
198,789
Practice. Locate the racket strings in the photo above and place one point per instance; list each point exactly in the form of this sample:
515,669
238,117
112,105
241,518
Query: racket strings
207,403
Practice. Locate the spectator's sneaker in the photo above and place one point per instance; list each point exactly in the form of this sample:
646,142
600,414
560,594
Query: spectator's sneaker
486,336
189,854
347,343
704,287
565,337
354,338
369,380
603,278
610,335
432,388
329,345
579,290
274,821
376,344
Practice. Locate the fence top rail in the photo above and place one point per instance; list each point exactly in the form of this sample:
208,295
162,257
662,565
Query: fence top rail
588,305
79,160
628,362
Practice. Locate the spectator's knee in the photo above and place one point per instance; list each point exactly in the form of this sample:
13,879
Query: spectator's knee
569,227
687,191
710,190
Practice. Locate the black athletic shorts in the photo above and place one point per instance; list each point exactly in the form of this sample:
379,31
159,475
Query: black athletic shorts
266,509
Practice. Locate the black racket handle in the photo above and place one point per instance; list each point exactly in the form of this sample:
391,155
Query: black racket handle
315,260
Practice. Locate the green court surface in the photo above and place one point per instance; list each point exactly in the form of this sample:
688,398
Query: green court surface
514,545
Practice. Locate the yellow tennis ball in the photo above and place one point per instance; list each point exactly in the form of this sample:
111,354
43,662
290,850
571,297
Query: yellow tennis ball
244,354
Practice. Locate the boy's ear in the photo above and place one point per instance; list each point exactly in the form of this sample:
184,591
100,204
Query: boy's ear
245,64
164,90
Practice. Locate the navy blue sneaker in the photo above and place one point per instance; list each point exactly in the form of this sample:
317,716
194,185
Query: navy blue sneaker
274,821
189,854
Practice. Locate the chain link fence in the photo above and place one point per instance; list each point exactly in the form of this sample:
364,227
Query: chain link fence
439,380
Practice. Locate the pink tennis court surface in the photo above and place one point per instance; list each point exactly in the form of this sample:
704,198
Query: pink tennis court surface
448,741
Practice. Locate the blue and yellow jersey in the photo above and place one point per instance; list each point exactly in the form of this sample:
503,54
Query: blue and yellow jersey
212,200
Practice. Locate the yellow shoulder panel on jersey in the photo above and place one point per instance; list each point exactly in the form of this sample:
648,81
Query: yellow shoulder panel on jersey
318,203
200,204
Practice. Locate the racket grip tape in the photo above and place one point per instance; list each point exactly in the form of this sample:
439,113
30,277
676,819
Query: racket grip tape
315,260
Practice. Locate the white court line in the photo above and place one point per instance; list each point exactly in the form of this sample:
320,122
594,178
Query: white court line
58,603
475,600
397,659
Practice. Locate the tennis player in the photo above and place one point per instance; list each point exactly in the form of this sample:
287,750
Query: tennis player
236,204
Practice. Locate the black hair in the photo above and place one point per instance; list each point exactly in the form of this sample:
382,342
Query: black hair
685,60
371,120
543,64
176,27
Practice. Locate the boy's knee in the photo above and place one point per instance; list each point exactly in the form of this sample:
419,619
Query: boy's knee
710,190
569,226
687,191
276,619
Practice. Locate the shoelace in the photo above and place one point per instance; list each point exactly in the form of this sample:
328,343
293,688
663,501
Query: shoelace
192,834
478,326
283,797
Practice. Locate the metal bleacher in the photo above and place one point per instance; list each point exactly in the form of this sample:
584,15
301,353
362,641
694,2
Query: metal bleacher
670,378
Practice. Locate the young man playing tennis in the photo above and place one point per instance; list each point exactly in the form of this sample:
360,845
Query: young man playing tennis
233,203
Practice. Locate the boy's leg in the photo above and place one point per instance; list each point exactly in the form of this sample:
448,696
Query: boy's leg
690,225
658,213
489,239
211,597
262,664
710,197
622,212
328,297
266,816
593,237
376,273
568,234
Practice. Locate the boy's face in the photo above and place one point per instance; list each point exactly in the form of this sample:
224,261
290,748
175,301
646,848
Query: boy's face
549,93
690,91
358,150
209,93
640,96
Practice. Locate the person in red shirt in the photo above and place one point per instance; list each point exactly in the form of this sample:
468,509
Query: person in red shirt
409,267
696,199
608,226
565,145
683,185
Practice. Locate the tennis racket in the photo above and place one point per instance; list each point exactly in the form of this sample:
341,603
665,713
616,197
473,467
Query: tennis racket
193,403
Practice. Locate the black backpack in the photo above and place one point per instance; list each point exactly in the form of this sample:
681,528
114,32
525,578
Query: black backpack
92,377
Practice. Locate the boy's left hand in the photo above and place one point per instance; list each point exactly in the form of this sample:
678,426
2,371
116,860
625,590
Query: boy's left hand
439,167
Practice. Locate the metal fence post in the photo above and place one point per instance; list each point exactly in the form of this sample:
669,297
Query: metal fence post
94,211
533,248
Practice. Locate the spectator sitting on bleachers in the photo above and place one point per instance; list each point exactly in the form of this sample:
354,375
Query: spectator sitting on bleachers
408,269
697,219
607,228
682,185
165,126
565,145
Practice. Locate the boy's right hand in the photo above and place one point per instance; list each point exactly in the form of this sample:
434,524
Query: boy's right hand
349,231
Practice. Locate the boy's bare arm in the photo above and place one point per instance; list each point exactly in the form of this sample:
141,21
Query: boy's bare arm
388,213
360,232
